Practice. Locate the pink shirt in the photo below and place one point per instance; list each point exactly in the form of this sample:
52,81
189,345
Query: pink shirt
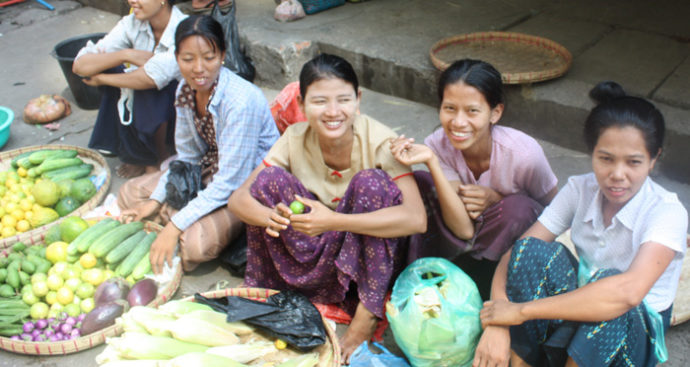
518,164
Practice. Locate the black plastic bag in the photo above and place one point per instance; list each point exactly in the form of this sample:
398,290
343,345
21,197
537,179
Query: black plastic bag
235,255
235,59
184,181
287,315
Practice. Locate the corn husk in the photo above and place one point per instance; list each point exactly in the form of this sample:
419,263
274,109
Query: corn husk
198,331
201,359
109,354
178,308
244,353
220,319
144,346
128,324
305,360
155,322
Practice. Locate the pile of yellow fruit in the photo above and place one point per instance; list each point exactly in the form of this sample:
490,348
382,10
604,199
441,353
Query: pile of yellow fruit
17,204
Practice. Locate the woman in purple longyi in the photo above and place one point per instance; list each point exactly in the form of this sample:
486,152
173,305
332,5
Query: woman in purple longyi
361,204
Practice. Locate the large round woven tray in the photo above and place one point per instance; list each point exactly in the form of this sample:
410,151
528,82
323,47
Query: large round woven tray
329,353
93,339
88,156
681,305
520,58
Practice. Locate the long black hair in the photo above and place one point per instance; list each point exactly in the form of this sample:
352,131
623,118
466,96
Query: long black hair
203,26
617,109
475,73
326,66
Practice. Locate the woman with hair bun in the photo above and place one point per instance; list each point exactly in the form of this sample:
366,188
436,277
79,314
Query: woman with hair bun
612,304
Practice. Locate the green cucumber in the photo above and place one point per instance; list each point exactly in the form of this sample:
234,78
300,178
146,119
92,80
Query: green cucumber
124,248
16,159
48,154
85,239
107,241
142,268
60,171
127,265
51,164
75,173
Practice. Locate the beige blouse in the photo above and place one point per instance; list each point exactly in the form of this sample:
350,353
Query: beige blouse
298,152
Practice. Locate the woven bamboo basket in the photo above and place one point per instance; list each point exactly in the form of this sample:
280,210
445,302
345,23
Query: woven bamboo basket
520,58
88,156
329,353
93,339
681,304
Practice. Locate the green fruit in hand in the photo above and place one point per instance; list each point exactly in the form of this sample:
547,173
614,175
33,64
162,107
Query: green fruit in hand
297,207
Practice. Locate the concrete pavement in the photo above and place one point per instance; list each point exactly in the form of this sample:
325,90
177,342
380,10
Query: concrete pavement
359,32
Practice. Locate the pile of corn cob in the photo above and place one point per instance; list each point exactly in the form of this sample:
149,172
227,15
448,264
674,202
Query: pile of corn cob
189,334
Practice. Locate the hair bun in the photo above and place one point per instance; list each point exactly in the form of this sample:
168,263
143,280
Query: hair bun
606,91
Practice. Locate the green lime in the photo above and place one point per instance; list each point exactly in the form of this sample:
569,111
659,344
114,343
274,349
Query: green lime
297,207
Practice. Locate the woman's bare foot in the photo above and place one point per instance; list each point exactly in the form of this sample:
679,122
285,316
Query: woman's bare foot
126,170
360,330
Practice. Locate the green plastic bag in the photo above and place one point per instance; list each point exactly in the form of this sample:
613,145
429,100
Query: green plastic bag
434,314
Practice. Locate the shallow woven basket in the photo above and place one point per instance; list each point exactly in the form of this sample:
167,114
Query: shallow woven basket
88,156
261,294
93,339
520,58
681,304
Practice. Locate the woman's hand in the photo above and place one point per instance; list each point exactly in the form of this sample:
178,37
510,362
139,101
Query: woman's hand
143,211
317,221
163,248
477,198
501,312
279,220
408,153
93,80
493,348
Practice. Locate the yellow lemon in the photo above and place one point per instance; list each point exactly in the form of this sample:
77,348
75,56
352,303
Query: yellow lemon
65,295
21,171
25,205
8,232
11,206
23,225
10,182
57,251
88,261
18,214
28,215
8,221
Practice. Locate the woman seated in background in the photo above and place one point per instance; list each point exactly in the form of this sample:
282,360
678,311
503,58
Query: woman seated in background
486,183
611,308
136,118
224,125
361,204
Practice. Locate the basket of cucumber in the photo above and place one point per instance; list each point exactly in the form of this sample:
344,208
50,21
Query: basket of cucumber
85,296
41,185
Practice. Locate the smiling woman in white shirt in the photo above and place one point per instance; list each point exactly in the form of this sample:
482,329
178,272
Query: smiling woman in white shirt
135,66
612,305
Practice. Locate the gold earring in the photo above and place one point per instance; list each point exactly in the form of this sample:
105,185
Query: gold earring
162,3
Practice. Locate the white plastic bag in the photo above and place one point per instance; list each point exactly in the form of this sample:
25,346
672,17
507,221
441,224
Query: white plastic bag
289,10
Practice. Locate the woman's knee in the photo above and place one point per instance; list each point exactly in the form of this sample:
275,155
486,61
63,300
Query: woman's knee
520,208
370,177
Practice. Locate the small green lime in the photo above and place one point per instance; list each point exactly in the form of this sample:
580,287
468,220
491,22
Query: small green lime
297,207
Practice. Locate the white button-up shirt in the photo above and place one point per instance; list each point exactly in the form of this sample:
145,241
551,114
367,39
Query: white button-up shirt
652,215
131,33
